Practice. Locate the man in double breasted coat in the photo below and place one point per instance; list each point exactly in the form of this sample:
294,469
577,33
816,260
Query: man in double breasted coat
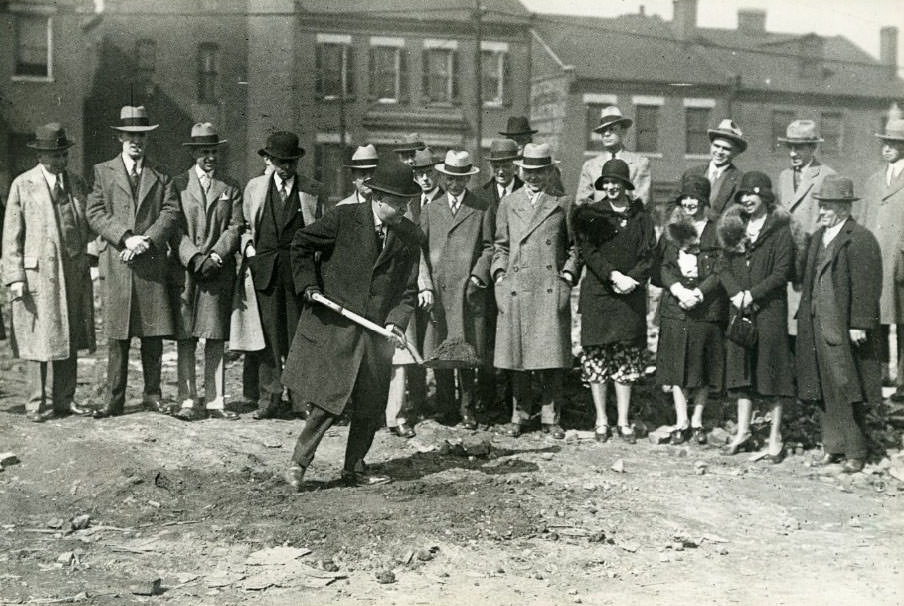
206,245
275,207
838,336
882,212
135,209
45,267
459,227
726,143
370,255
535,265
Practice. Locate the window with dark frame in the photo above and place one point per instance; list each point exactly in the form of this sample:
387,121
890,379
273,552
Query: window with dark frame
334,70
208,72
385,70
146,58
329,169
439,75
781,118
594,140
696,123
646,128
32,33
496,77
831,128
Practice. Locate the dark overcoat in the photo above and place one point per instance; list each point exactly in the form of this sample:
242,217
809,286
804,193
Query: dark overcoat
489,188
764,268
328,349
209,223
458,246
113,213
722,192
606,316
855,271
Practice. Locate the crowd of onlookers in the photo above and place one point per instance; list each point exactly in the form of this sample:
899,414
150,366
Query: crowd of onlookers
771,290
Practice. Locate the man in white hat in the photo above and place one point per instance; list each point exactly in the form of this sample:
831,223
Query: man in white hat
206,247
45,268
882,212
459,227
613,128
135,209
535,265
362,165
726,143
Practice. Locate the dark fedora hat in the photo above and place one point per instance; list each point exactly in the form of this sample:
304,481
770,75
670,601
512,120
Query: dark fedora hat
502,150
203,134
517,125
755,182
282,145
394,178
134,119
51,137
410,143
694,186
836,188
615,169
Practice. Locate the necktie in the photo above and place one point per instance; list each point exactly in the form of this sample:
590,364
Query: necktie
205,182
613,155
425,199
453,204
283,192
58,195
890,174
796,177
381,237
134,179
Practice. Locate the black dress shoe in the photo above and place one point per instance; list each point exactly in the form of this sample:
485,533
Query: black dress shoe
75,409
828,458
775,459
699,435
468,421
626,433
853,466
360,478
554,430
402,430
679,436
512,430
189,414
602,433
264,413
106,411
294,477
222,413
39,417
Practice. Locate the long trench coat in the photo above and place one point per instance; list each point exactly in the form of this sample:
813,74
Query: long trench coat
208,224
113,213
883,214
851,302
533,246
458,246
34,253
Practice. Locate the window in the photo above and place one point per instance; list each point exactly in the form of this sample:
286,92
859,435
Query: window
334,73
146,57
440,82
831,128
696,122
33,46
208,71
594,140
388,70
646,128
496,80
781,118
329,170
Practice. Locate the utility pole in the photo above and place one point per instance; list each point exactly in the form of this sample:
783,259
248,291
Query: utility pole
478,82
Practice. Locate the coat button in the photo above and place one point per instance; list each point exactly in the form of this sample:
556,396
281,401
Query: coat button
549,290
516,268
549,267
548,242
514,294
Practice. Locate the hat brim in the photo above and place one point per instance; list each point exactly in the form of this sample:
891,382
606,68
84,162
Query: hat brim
767,195
362,166
520,163
890,137
37,147
394,191
628,122
821,199
440,167
135,129
504,158
792,141
721,134
265,152
530,131
194,144
409,148
598,184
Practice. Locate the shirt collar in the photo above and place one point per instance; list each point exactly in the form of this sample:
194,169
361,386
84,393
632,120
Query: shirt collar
377,222
129,162
48,176
279,182
201,172
829,234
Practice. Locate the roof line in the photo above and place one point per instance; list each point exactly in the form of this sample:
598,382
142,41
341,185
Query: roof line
549,50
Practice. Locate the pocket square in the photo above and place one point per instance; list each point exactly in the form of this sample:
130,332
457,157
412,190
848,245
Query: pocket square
225,196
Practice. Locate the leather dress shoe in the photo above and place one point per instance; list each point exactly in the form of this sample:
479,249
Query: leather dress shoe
264,413
41,416
75,409
679,435
360,478
699,435
554,430
828,458
189,414
512,430
602,433
154,404
222,413
468,421
626,433
106,411
294,477
775,459
853,466
402,430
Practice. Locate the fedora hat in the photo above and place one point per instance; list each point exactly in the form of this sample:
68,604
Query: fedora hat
836,188
615,169
134,120
502,150
457,163
204,134
612,115
394,178
364,157
694,186
755,182
50,137
409,143
536,155
801,131
894,130
423,158
282,145
727,129
517,125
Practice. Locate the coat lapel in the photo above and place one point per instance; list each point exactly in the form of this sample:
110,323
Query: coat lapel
217,188
465,210
808,179
895,186
194,187
40,196
367,230
120,176
545,206
148,181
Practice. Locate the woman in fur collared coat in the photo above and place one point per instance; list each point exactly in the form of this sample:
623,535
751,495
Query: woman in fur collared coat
691,354
759,253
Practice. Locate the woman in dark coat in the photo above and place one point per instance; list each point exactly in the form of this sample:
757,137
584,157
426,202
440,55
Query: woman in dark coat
616,239
758,263
691,354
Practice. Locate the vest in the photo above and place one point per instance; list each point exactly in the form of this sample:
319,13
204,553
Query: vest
279,222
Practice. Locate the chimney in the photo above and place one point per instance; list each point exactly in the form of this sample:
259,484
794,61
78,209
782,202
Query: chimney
752,22
684,19
811,56
888,49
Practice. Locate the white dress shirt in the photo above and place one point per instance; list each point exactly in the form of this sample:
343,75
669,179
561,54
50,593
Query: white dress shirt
129,162
829,234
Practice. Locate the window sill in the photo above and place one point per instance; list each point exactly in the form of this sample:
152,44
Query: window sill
656,155
387,101
337,99
41,79
696,157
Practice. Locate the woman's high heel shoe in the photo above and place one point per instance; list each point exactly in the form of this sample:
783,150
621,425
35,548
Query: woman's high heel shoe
742,445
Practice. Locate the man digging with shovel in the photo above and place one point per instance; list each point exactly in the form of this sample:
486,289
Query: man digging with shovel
369,265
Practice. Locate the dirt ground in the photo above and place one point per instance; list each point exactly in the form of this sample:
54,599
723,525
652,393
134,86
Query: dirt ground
534,521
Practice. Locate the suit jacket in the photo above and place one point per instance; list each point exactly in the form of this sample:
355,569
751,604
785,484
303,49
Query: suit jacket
882,210
209,223
801,203
328,349
724,189
490,188
114,213
837,296
34,253
638,165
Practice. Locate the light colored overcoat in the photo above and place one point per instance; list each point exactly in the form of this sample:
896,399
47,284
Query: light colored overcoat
639,173
882,212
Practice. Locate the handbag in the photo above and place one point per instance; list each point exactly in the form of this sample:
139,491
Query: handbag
742,330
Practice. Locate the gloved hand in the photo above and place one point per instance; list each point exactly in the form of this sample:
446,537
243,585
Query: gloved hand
309,293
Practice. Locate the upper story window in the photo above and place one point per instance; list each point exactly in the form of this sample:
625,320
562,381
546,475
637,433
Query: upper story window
646,123
496,84
34,46
595,103
439,71
334,64
781,118
208,72
146,57
697,115
831,128
388,70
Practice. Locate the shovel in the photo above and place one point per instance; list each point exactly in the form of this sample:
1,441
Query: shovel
362,321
